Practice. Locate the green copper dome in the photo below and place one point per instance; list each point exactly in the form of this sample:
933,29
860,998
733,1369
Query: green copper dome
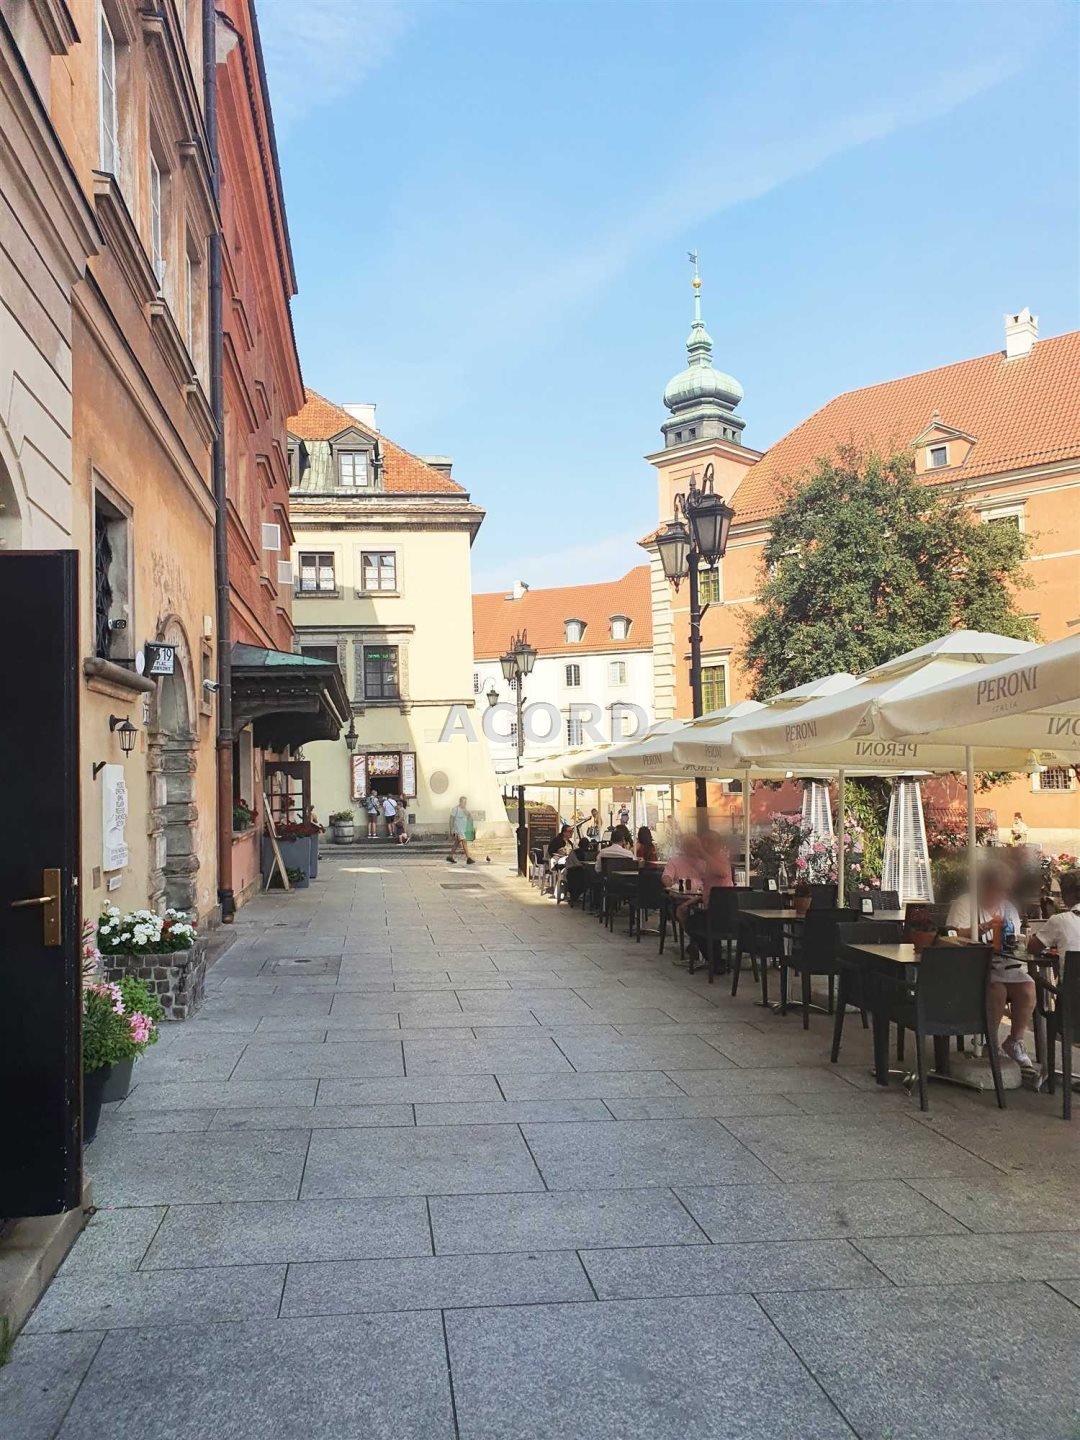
702,399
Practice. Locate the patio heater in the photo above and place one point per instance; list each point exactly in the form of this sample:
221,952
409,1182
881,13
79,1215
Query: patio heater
816,809
516,664
697,532
906,863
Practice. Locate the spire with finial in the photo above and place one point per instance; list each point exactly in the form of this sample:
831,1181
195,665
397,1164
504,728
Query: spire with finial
702,399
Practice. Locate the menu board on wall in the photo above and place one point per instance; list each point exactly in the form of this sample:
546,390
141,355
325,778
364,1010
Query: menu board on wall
359,776
408,775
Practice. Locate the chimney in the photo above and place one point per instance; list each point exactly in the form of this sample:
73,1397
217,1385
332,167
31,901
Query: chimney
364,413
520,590
443,463
1021,332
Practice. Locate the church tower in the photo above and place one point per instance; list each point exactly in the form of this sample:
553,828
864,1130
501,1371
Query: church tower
702,399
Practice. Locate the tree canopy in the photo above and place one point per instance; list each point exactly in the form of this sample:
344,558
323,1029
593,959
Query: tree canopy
865,561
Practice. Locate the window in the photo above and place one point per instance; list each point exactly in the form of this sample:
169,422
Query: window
381,672
476,682
192,303
294,465
111,538
317,572
575,629
617,672
620,627
378,569
512,737
157,253
709,586
938,457
329,653
352,469
575,732
1055,777
1004,517
573,676
109,137
693,433
713,687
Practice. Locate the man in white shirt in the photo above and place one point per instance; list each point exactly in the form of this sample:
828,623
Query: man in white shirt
1061,932
389,810
1010,984
622,843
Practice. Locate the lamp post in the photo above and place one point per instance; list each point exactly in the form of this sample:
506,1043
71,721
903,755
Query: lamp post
516,664
697,532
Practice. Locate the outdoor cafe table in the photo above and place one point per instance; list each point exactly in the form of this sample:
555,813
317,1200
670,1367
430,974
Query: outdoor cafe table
898,964
774,921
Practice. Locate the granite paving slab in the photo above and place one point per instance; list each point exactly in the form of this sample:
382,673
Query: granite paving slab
115,1239
1069,1288
268,1232
644,1052
845,1209
976,1259
767,1079
594,1085
651,1271
40,1380
839,1147
510,1112
435,1282
432,1160
627,1153
1022,1203
474,1224
110,1299
311,1117
532,1053
981,1366
169,1169
216,1094
305,1060
382,1377
625,1371
410,1089
689,1107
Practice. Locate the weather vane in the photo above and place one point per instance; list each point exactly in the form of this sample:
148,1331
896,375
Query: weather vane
692,255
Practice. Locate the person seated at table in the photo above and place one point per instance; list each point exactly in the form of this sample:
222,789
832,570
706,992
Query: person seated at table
560,842
1010,984
645,849
621,843
1062,931
685,866
715,873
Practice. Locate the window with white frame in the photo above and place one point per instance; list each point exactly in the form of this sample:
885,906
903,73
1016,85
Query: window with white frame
1012,515
317,572
1055,777
616,672
108,108
157,248
352,469
573,676
575,631
937,457
189,303
378,570
620,627
476,682
575,731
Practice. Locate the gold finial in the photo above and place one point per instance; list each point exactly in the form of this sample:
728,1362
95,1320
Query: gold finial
696,282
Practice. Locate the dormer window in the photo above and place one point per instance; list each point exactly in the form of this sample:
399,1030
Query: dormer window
937,457
620,627
353,471
575,631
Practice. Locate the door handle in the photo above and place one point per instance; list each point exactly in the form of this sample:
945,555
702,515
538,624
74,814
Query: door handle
50,903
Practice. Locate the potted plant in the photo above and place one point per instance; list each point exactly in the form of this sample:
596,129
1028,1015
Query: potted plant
161,950
298,842
801,900
243,816
921,928
341,827
116,1030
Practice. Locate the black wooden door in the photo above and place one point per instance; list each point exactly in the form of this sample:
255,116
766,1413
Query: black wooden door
40,943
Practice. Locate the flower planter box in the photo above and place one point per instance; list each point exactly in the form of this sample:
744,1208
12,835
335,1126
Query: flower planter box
295,854
177,978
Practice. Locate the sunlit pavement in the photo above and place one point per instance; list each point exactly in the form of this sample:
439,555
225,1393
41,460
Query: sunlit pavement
438,1158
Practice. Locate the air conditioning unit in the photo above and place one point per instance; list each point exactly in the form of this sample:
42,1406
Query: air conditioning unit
284,572
271,537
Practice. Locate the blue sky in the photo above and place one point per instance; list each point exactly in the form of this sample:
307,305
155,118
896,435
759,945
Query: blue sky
491,202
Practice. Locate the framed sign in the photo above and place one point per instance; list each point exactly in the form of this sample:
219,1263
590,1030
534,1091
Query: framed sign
867,905
114,813
159,659
408,775
359,776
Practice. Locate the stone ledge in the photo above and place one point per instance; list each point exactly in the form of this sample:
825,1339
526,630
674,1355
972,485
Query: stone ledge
30,1255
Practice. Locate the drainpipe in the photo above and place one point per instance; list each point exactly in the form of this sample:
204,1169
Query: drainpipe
226,899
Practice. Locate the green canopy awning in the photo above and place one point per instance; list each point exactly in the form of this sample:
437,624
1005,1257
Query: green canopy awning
288,699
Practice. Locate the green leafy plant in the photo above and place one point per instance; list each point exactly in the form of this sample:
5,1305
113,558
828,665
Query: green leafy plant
243,816
142,932
341,817
112,1031
295,875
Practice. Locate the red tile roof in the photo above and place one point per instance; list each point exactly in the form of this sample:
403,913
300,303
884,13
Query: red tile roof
403,473
1022,412
496,618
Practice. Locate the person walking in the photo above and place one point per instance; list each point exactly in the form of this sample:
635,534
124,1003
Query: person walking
389,810
460,823
371,806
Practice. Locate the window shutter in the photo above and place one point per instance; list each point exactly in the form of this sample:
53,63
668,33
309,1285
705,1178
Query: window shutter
271,537
284,572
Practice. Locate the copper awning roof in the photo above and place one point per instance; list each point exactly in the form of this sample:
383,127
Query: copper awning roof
288,699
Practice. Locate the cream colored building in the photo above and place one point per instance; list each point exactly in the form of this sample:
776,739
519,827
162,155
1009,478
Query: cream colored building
382,585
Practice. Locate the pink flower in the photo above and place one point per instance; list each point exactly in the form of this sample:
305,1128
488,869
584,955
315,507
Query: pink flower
142,1027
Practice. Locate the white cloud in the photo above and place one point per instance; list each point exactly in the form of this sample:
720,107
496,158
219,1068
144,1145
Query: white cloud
318,50
586,564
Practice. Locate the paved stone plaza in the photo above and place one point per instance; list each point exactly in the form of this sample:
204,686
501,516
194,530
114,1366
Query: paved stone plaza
440,1159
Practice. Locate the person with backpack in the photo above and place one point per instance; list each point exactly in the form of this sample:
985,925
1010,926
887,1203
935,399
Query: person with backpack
371,806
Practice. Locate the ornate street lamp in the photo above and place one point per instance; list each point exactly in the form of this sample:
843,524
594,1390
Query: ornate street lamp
122,726
516,664
492,696
350,736
697,532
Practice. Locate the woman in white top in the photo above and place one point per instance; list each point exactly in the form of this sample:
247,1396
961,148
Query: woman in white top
1061,932
1010,984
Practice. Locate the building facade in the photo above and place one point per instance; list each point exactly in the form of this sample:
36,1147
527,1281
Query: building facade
1003,429
381,570
592,681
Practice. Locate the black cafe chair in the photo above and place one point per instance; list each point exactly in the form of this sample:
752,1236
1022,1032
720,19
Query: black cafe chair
814,951
715,928
880,899
949,998
1063,1023
823,897
650,895
618,878
849,985
754,934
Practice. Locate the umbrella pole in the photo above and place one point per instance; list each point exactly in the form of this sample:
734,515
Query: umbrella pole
841,806
746,821
558,807
973,889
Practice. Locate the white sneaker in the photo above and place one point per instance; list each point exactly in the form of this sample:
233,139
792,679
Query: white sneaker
1015,1051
